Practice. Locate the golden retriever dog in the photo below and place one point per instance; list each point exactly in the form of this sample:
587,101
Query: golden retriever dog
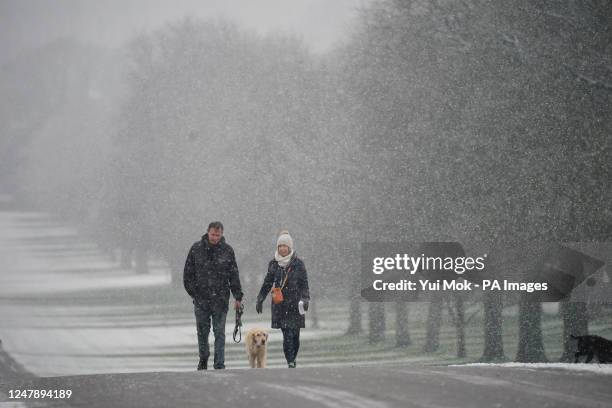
256,340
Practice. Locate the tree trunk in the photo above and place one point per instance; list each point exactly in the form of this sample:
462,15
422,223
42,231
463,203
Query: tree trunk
575,322
493,329
355,309
434,320
141,261
402,334
126,257
377,322
531,346
176,272
460,325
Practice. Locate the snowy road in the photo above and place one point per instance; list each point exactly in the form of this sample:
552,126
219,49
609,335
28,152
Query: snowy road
359,387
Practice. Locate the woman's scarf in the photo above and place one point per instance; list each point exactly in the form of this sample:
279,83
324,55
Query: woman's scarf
283,261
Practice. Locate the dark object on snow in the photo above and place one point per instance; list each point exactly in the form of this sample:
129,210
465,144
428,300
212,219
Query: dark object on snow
205,318
291,345
211,273
203,364
238,326
286,314
594,346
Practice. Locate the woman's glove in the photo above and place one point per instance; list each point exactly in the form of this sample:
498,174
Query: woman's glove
305,305
259,306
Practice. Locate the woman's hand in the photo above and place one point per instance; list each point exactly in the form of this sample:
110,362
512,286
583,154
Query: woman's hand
259,306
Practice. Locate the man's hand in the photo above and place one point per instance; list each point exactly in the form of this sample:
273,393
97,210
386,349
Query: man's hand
259,306
237,305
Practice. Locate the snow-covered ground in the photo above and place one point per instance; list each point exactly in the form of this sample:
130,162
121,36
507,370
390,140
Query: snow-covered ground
62,313
592,368
38,256
42,260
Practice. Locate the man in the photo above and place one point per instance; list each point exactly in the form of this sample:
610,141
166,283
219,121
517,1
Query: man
209,276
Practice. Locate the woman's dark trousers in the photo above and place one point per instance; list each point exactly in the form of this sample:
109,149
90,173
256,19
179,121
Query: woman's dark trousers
291,343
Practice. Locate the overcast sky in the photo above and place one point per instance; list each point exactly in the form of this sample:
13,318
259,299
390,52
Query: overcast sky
30,23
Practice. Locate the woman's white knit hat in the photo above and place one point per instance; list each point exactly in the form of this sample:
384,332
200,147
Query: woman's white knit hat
285,239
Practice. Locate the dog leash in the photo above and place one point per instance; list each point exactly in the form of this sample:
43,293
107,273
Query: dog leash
238,326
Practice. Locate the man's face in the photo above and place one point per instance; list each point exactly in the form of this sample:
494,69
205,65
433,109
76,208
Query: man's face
214,235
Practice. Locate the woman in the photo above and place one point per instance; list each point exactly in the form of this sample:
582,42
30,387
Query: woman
287,273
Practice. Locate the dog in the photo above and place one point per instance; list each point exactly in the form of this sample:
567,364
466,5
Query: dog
592,346
255,341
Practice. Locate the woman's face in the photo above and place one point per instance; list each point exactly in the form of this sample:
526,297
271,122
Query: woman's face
283,250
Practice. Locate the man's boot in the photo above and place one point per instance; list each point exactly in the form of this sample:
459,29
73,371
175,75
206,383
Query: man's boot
203,364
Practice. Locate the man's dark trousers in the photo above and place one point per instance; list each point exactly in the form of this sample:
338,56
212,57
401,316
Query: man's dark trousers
204,314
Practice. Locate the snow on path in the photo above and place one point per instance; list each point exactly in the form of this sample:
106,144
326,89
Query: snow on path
592,368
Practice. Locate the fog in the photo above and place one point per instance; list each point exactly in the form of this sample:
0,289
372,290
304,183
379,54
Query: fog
29,24
136,123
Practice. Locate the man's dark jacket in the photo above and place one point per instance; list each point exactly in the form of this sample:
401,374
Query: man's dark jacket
210,273
286,314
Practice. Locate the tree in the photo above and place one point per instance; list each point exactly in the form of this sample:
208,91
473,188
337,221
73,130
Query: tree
493,328
530,345
376,322
575,323
402,333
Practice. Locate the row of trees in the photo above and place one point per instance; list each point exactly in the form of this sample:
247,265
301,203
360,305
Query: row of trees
223,124
485,121
572,272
